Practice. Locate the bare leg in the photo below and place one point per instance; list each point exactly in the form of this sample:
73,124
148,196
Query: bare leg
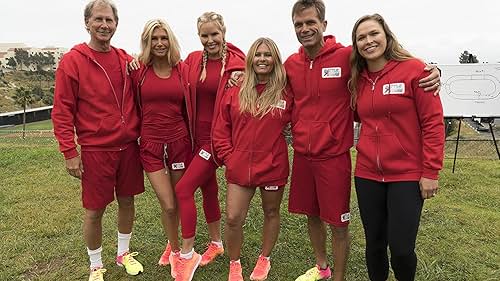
340,245
271,202
166,196
238,201
126,213
92,228
317,235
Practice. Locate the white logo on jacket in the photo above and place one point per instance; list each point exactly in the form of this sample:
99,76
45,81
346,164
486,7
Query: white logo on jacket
331,72
281,104
393,89
204,154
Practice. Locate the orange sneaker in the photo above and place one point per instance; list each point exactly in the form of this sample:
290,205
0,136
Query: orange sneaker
186,267
173,259
261,269
211,253
164,259
235,271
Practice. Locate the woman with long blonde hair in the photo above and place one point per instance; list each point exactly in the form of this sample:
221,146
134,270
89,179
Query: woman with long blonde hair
248,137
165,146
208,74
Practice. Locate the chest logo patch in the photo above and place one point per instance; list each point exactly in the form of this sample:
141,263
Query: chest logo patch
331,72
393,89
281,104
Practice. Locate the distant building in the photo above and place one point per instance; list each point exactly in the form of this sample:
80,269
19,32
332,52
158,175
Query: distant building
7,50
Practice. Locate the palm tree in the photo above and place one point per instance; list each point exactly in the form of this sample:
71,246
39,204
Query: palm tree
23,97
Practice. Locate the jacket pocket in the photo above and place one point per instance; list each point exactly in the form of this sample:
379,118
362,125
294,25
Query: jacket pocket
237,165
321,138
262,167
366,153
394,158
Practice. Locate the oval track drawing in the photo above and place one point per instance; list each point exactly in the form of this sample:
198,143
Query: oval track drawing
473,87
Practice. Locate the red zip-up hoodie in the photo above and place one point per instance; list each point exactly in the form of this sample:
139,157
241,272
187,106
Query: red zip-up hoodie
402,130
322,121
235,61
85,100
253,149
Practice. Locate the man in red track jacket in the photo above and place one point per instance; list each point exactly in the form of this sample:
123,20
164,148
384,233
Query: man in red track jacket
322,131
94,97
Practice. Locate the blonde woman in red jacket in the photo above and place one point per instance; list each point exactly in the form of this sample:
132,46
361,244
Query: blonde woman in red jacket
400,147
208,74
248,137
165,145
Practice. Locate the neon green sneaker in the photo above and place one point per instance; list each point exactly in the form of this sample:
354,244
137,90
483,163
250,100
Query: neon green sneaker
315,273
132,266
96,274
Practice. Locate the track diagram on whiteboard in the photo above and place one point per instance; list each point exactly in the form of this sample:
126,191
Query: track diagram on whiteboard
470,90
472,87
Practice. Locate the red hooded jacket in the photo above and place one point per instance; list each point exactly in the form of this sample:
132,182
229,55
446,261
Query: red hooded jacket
84,99
253,149
402,130
235,61
322,120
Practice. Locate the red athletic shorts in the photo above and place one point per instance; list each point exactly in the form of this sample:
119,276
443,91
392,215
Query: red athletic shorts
174,155
321,188
108,172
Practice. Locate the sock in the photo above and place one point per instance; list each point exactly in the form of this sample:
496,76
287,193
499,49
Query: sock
267,258
236,261
187,256
95,258
323,268
218,243
123,243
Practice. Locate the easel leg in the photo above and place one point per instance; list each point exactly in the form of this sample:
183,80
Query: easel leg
456,145
494,140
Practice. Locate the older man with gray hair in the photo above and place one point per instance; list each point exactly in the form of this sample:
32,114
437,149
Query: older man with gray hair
94,98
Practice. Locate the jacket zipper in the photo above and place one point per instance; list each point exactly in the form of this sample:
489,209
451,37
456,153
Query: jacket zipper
379,165
112,88
309,139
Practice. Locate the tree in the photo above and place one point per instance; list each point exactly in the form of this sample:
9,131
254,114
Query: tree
12,62
23,97
22,57
467,57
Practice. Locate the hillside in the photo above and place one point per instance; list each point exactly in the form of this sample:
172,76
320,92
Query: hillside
9,81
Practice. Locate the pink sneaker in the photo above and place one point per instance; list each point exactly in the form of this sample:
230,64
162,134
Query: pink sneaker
164,259
187,267
235,272
261,269
174,259
211,253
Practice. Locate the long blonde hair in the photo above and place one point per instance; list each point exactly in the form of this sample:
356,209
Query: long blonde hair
173,52
393,51
250,100
219,22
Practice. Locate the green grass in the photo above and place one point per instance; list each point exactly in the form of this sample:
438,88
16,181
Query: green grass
40,226
41,125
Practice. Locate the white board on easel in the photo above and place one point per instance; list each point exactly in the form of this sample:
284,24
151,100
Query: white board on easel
470,90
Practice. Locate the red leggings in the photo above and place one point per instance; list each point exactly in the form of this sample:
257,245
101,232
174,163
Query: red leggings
200,173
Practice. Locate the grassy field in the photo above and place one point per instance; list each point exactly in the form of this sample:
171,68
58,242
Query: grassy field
40,226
